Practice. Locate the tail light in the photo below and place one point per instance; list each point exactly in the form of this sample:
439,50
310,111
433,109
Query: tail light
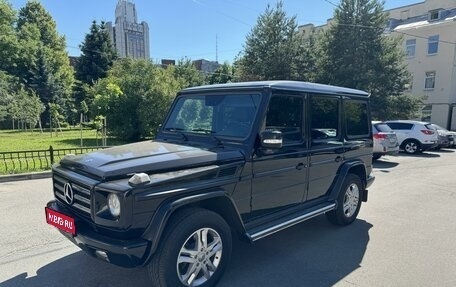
427,132
379,136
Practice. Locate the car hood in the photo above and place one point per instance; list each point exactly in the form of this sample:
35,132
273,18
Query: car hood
148,157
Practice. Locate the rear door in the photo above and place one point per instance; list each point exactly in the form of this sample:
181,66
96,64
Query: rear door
327,147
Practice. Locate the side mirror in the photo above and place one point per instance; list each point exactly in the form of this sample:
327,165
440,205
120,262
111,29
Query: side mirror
271,139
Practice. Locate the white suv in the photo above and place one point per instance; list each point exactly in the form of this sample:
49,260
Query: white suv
414,136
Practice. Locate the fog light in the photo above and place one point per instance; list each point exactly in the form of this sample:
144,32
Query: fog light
114,204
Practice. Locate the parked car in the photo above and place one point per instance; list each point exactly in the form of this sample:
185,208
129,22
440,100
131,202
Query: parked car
385,140
229,159
414,136
446,137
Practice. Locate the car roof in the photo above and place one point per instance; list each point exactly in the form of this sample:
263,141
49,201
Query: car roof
408,122
285,85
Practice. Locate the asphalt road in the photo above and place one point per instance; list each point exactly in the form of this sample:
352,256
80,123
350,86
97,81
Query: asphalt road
405,235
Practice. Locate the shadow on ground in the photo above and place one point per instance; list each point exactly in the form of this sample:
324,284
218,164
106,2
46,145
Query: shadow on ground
422,155
384,164
314,253
444,150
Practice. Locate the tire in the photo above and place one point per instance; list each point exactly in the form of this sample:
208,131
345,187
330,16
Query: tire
185,231
411,147
348,202
376,156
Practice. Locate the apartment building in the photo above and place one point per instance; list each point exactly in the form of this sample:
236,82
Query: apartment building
130,38
428,30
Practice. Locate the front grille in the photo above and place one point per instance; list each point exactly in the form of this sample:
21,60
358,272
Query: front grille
81,194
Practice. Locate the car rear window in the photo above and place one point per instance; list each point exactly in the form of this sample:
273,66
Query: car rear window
431,127
383,128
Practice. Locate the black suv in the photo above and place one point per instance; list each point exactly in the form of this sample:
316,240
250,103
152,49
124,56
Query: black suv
247,158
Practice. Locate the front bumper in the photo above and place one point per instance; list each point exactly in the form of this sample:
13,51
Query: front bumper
125,253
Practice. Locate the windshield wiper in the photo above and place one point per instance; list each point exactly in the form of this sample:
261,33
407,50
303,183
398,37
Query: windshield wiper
178,131
208,131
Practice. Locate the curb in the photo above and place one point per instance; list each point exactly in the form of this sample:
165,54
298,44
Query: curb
25,176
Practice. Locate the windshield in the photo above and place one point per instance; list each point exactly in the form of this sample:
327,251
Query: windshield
218,115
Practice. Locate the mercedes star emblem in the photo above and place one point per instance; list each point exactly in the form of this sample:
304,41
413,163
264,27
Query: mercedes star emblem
68,193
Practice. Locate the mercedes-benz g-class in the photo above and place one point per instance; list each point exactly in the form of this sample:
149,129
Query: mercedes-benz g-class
246,159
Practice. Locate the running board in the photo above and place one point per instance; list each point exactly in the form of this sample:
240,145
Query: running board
289,221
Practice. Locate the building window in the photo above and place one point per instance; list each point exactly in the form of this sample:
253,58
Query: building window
433,44
434,15
429,82
410,47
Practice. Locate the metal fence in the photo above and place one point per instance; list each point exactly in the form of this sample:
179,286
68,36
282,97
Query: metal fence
36,160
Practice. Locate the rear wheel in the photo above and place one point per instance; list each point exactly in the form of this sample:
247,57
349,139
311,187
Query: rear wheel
411,147
194,251
348,201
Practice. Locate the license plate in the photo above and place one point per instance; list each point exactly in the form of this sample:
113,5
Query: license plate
61,221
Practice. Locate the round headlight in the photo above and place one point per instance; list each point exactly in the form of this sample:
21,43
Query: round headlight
114,204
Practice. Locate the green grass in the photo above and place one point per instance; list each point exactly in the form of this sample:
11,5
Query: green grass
18,141
69,138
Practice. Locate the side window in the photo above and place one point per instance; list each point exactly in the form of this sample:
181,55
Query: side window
285,114
400,126
324,122
356,118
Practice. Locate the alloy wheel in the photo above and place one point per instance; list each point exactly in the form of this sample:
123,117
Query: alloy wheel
199,257
351,200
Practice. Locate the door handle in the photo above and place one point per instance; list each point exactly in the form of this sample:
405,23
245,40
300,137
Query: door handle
338,159
300,166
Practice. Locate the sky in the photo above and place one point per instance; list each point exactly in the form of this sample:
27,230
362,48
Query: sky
186,28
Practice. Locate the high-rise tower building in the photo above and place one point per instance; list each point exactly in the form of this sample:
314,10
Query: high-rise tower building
130,38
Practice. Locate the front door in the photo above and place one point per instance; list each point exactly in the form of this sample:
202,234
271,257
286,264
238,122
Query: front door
280,176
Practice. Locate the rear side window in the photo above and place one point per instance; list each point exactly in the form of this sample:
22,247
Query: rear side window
324,118
356,118
400,126
383,128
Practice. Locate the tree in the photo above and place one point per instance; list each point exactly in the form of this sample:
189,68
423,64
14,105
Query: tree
6,94
135,96
273,49
44,66
224,74
355,53
8,39
97,55
187,74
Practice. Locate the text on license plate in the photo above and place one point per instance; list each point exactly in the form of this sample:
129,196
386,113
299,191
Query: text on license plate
61,221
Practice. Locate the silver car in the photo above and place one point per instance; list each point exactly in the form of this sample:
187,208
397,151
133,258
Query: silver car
385,140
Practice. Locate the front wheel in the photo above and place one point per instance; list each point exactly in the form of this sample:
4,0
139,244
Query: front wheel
194,251
348,201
